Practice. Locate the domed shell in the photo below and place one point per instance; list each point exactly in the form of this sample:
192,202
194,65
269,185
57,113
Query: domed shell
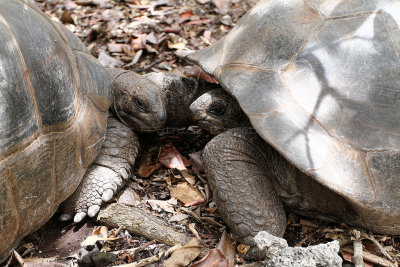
320,82
52,117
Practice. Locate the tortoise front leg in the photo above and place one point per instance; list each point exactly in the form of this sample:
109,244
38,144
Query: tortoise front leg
238,168
107,175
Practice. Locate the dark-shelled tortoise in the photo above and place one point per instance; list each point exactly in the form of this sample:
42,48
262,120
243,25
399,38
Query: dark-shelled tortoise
319,81
55,123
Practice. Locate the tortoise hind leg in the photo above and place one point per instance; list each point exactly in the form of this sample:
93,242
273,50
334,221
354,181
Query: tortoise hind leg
237,167
107,175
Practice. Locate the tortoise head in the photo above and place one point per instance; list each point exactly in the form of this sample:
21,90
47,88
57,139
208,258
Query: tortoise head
138,102
217,111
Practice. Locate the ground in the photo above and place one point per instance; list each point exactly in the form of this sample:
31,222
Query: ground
147,36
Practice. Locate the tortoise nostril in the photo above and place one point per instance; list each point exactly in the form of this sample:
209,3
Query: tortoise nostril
161,117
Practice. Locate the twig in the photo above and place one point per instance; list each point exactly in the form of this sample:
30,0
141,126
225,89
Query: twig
134,251
194,231
308,236
141,222
370,257
358,249
153,258
191,213
211,221
145,68
379,246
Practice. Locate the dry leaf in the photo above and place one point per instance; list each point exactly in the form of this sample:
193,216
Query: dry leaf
178,45
178,217
222,5
171,158
196,159
183,256
186,14
226,246
118,48
108,61
66,17
243,249
100,231
214,258
198,73
187,194
91,240
188,177
159,205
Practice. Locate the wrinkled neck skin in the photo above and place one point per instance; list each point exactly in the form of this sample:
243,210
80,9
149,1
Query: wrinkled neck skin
179,93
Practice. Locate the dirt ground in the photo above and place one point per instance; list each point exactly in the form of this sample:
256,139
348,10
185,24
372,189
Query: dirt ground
146,36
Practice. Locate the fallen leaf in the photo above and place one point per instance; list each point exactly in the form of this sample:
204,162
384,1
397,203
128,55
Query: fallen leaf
184,255
100,231
66,17
186,14
198,73
178,217
178,45
222,5
151,38
91,240
171,158
186,193
118,48
146,164
196,159
188,177
110,14
166,205
243,249
227,247
207,34
108,61
214,258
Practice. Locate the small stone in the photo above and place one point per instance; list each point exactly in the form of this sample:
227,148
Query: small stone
277,253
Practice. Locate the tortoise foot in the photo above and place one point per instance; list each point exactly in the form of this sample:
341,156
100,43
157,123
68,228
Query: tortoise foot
236,166
106,176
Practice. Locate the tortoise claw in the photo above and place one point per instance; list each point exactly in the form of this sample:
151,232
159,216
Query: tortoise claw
93,210
107,195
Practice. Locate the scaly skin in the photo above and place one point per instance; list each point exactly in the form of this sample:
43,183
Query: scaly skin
106,175
239,173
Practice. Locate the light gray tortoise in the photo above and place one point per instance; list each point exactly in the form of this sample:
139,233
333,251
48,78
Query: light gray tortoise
319,81
55,123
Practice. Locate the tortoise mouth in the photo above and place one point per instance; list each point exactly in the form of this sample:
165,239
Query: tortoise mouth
139,124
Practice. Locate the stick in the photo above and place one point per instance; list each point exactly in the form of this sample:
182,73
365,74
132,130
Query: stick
358,249
370,257
140,222
376,243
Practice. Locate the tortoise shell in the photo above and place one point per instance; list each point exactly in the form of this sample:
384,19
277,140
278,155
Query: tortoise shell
54,99
319,81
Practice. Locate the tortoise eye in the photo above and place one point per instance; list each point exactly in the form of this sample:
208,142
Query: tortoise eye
217,110
140,104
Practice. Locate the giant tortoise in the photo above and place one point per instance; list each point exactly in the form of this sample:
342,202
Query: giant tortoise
319,81
54,102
